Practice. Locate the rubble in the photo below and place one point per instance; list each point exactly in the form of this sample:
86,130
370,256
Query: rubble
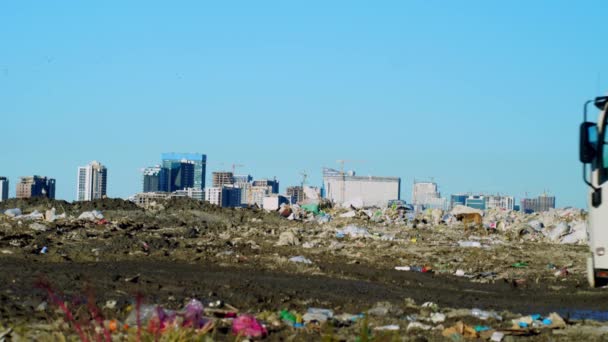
366,261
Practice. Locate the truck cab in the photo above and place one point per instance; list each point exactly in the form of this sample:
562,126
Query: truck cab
593,153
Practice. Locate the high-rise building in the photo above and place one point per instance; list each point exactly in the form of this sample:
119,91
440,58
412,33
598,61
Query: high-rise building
295,194
500,202
543,202
213,195
92,182
199,170
154,179
272,184
179,174
241,180
224,197
222,178
231,197
3,189
36,186
256,194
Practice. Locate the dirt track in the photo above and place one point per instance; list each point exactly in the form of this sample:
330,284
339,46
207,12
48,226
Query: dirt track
263,290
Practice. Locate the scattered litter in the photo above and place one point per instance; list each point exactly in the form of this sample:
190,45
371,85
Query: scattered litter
391,327
354,231
484,315
93,215
13,212
248,326
476,244
300,259
418,326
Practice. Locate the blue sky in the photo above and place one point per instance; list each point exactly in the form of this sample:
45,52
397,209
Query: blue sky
480,95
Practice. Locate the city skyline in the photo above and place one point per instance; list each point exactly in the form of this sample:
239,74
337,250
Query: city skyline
96,173
405,86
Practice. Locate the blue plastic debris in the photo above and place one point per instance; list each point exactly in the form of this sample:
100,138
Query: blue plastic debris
480,328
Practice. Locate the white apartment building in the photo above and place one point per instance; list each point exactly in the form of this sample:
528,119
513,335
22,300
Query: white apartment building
92,182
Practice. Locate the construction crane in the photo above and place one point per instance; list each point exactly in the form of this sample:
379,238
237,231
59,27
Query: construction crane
304,177
234,166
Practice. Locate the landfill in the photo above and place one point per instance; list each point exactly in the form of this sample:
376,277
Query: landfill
186,270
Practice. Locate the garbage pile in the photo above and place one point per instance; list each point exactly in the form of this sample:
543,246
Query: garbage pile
205,318
566,226
361,254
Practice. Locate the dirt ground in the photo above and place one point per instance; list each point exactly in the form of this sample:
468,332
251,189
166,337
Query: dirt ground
188,250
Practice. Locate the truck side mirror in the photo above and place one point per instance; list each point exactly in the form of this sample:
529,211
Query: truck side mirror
588,139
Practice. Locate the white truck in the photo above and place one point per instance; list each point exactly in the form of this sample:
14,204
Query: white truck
593,153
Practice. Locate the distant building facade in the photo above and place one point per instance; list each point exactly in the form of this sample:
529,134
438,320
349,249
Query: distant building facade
228,197
194,193
3,189
154,179
370,191
36,186
179,174
240,180
458,199
295,194
272,184
222,178
92,182
500,202
541,203
274,202
476,202
256,194
425,195
146,199
199,169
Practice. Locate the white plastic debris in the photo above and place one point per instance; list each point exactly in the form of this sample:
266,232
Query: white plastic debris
354,231
39,227
578,233
475,244
50,215
349,214
403,268
558,231
437,317
93,215
392,327
13,212
288,239
497,336
300,259
35,215
536,225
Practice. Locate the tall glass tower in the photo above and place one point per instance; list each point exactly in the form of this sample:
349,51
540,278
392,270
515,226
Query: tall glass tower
179,175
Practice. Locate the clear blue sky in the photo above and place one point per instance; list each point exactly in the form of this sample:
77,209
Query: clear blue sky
481,95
